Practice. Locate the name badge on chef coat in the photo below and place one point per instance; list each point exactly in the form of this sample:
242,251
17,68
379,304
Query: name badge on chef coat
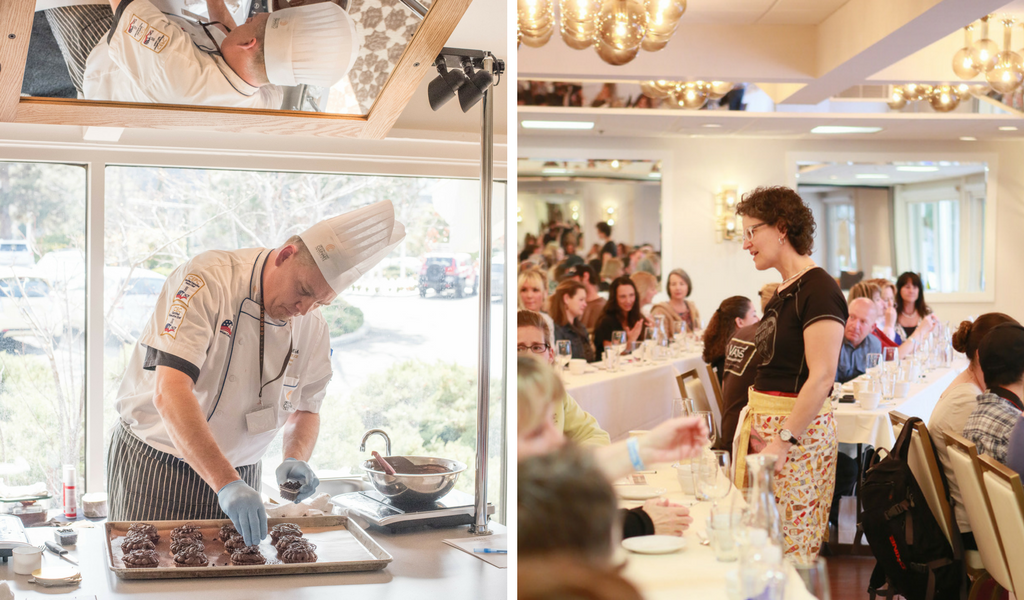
261,420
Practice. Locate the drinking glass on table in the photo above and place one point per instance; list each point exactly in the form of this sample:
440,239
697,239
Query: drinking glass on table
713,479
873,362
563,354
682,407
814,574
612,358
889,385
890,359
636,351
619,339
709,422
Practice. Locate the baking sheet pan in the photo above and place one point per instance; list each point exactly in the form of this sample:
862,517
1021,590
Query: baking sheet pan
341,546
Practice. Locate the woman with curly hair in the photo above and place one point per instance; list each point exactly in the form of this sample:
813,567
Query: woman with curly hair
798,340
621,313
734,313
566,307
911,310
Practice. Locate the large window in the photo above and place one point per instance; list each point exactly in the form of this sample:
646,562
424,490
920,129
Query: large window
42,315
404,337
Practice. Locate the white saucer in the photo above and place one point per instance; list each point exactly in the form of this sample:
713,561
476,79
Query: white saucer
639,492
654,544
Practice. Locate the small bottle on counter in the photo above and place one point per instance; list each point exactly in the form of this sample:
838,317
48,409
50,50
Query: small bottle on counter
70,497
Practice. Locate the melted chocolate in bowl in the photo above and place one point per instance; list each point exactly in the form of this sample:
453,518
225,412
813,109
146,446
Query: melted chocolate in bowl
422,470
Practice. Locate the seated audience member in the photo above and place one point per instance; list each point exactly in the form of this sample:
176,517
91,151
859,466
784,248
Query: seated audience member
648,262
911,310
533,295
565,504
569,245
1001,355
566,307
573,422
610,271
957,403
735,312
857,340
885,313
738,371
527,253
564,577
646,287
678,306
586,275
540,391
1015,451
621,313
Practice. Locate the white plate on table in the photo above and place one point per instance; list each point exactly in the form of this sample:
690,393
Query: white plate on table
639,492
654,544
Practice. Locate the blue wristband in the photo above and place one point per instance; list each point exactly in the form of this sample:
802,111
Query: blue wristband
633,445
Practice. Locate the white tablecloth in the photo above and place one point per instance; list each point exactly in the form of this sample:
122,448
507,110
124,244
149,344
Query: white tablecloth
692,572
858,426
635,397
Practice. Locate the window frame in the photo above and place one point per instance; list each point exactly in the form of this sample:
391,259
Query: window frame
399,159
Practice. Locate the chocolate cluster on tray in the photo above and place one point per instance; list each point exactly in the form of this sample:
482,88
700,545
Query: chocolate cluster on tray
138,559
248,555
145,529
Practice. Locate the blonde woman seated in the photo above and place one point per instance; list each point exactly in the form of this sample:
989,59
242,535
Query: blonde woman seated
541,391
646,287
533,295
610,271
679,308
566,307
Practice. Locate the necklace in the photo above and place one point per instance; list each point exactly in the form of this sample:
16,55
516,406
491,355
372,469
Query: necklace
798,273
912,312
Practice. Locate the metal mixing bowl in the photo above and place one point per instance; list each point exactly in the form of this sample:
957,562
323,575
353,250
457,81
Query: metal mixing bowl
413,489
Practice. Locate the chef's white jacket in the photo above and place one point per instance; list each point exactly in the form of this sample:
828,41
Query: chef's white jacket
195,328
155,57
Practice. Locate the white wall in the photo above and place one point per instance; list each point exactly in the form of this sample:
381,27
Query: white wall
694,169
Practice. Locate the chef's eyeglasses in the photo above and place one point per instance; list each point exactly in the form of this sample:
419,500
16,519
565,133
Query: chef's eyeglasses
535,348
748,233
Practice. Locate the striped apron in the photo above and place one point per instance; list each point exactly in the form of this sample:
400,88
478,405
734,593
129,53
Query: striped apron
145,484
77,30
804,488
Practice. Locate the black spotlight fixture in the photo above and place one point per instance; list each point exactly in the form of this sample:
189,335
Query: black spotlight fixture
443,87
463,72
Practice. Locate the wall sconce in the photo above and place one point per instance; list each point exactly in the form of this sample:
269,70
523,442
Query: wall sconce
728,225
575,208
519,214
610,211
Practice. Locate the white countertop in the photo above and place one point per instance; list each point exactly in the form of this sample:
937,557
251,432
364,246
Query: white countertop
423,567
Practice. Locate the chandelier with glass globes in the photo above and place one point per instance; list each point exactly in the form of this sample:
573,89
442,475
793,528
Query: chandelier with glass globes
616,29
1003,69
685,94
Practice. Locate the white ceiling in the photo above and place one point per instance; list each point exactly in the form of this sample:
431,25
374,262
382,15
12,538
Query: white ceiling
483,27
766,12
882,174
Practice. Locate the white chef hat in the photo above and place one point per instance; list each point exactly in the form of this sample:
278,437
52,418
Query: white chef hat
315,44
348,245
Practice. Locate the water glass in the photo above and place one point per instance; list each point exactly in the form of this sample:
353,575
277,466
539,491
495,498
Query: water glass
563,353
713,478
682,407
814,574
721,530
889,385
612,358
872,364
709,422
618,338
635,350
891,359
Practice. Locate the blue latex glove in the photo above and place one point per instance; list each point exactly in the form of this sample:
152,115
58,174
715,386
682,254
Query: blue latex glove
244,507
298,470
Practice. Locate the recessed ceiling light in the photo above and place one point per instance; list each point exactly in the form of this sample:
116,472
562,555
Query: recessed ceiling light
871,176
921,169
554,171
833,177
558,124
837,129
968,138
654,175
1008,128
711,125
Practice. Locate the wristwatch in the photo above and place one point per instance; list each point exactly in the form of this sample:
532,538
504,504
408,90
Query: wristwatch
787,436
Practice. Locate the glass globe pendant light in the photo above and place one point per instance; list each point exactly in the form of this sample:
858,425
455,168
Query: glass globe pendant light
536,21
719,89
944,98
578,22
621,26
985,50
897,98
662,20
691,94
963,60
1008,72
917,91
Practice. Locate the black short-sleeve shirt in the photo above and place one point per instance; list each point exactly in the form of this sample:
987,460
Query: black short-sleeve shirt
780,335
609,248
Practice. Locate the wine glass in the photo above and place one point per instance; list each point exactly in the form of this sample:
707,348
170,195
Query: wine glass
872,363
709,422
890,359
713,476
563,354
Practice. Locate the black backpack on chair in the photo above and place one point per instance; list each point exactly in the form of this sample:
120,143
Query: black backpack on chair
914,558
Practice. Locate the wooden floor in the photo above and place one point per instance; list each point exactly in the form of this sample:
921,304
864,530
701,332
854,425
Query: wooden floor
848,576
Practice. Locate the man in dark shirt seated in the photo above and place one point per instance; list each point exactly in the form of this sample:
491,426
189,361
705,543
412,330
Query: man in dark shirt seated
857,340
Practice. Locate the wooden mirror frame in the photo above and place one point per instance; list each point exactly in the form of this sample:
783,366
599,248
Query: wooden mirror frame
416,62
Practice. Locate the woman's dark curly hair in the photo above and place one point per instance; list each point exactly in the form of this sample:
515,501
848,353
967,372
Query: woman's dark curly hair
778,205
722,326
612,308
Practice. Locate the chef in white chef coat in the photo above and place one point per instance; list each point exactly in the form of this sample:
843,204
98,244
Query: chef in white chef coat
235,352
150,56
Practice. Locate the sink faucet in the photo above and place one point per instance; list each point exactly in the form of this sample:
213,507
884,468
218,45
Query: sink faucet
380,432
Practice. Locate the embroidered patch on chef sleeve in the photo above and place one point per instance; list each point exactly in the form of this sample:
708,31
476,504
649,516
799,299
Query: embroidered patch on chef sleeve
136,28
188,288
174,318
155,40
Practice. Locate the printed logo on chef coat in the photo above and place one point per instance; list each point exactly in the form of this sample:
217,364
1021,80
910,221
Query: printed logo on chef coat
136,28
188,288
174,317
155,40
225,327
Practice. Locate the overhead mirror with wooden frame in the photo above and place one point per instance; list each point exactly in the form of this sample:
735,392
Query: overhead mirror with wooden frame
396,49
